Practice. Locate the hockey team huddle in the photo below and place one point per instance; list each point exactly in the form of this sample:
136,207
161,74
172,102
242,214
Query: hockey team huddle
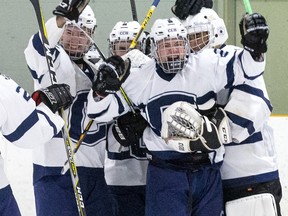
176,125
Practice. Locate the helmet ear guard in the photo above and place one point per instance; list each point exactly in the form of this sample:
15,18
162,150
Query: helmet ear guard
169,46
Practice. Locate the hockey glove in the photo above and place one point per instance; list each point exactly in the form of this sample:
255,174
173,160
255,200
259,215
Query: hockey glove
220,120
71,9
185,130
129,128
55,97
111,75
254,34
183,8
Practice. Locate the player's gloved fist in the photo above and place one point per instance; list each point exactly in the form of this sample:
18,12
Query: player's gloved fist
71,9
183,8
254,33
111,75
129,128
55,97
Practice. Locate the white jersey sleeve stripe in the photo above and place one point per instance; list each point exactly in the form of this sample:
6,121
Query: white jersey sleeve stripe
22,128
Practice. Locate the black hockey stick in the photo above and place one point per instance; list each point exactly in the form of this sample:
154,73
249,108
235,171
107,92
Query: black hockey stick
65,134
134,10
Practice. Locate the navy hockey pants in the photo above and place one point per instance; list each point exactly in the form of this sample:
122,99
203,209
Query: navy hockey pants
8,205
184,192
54,195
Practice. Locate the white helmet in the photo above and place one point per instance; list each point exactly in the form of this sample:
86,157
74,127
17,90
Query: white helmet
124,33
86,19
208,26
169,31
77,37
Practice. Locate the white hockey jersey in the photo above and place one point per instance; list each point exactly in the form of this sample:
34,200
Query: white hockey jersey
251,158
21,123
125,166
92,150
152,90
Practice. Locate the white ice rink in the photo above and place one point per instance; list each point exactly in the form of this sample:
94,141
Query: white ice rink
19,168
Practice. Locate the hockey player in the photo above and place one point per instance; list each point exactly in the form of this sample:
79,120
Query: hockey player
126,161
121,36
26,126
69,40
252,183
183,176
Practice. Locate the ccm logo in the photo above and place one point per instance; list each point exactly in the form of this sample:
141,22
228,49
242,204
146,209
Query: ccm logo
172,30
123,33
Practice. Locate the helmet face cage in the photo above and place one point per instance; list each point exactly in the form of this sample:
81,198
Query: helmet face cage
205,30
76,41
121,47
122,35
169,44
200,38
77,37
171,54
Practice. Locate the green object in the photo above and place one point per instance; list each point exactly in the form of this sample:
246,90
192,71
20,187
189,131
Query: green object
247,6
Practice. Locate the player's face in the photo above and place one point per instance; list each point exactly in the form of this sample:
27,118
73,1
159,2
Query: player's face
198,41
171,49
121,47
74,40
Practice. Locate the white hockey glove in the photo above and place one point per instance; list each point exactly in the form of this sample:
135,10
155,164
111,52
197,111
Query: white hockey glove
185,130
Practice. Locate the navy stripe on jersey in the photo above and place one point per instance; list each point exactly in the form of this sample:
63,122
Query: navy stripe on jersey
38,45
230,72
251,179
48,120
255,91
35,76
245,74
23,127
254,138
93,116
206,97
243,122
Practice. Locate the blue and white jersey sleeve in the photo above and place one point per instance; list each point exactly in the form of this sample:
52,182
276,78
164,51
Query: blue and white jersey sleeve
21,122
248,109
36,60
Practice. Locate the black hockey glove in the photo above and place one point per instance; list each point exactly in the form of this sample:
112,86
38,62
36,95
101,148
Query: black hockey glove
71,9
254,34
183,8
55,97
111,75
128,128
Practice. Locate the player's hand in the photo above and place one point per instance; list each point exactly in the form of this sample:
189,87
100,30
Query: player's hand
129,128
183,8
71,9
55,97
112,73
254,33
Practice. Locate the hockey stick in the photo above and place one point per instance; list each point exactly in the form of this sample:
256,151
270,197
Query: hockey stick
133,45
247,5
144,23
134,10
65,134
